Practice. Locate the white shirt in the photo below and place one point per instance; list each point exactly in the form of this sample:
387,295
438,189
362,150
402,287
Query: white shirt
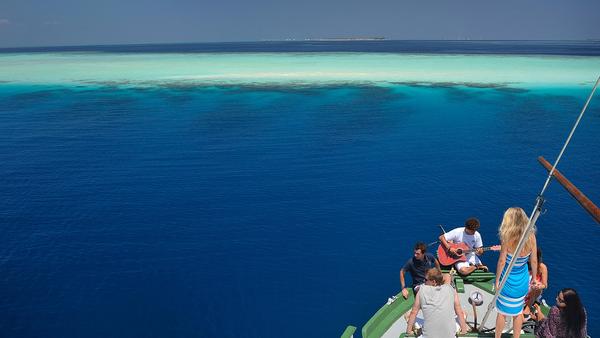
459,235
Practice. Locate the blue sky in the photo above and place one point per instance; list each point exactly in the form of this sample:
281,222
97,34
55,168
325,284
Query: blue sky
73,22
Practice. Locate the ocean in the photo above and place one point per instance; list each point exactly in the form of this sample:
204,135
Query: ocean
275,189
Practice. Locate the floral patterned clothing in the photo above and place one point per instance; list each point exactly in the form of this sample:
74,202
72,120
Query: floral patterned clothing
554,326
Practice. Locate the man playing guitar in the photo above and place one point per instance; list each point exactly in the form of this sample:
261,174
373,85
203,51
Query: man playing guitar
471,237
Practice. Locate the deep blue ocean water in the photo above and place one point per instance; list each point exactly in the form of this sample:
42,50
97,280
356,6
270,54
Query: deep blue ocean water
268,211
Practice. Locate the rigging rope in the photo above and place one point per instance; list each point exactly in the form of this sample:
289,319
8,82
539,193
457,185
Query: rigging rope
536,211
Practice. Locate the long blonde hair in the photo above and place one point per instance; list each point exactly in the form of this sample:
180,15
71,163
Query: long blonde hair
513,225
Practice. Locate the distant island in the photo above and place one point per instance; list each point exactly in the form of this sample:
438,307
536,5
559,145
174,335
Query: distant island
356,38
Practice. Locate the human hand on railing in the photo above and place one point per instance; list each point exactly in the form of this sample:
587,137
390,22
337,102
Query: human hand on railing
405,293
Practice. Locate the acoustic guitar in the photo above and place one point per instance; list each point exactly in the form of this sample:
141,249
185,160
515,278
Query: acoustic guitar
462,250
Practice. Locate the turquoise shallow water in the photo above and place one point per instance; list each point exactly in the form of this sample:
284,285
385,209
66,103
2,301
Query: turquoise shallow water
294,69
140,199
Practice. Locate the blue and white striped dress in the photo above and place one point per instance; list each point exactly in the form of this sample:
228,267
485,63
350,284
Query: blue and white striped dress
511,300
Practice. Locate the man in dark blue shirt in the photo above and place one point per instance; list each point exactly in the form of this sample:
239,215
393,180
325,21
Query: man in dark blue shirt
417,266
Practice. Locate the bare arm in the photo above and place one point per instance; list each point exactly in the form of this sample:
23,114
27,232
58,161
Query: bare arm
437,265
533,258
403,284
500,266
460,314
478,244
446,244
402,281
544,272
413,315
443,241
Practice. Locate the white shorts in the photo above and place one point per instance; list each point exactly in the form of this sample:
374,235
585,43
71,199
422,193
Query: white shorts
472,259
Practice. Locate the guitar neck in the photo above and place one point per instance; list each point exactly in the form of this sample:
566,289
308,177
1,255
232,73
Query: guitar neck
487,248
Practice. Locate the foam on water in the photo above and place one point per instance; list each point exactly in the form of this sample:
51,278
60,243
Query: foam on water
147,69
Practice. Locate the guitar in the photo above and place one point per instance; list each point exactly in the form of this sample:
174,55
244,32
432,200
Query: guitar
462,250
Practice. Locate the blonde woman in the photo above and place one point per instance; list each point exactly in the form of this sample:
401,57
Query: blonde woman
512,297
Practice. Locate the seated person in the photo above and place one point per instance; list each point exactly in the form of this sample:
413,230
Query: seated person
440,305
471,237
535,291
566,319
417,266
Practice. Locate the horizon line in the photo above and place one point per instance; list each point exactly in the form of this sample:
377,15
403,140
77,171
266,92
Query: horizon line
339,40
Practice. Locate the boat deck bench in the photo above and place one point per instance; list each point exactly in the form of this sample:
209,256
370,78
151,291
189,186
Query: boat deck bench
480,278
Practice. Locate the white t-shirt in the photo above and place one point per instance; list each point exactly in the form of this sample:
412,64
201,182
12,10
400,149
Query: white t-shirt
459,235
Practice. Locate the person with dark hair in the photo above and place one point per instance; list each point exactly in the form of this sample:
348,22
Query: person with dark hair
471,237
566,319
441,308
417,266
536,290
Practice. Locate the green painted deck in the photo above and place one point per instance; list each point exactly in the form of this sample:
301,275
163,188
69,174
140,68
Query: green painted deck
349,332
387,315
